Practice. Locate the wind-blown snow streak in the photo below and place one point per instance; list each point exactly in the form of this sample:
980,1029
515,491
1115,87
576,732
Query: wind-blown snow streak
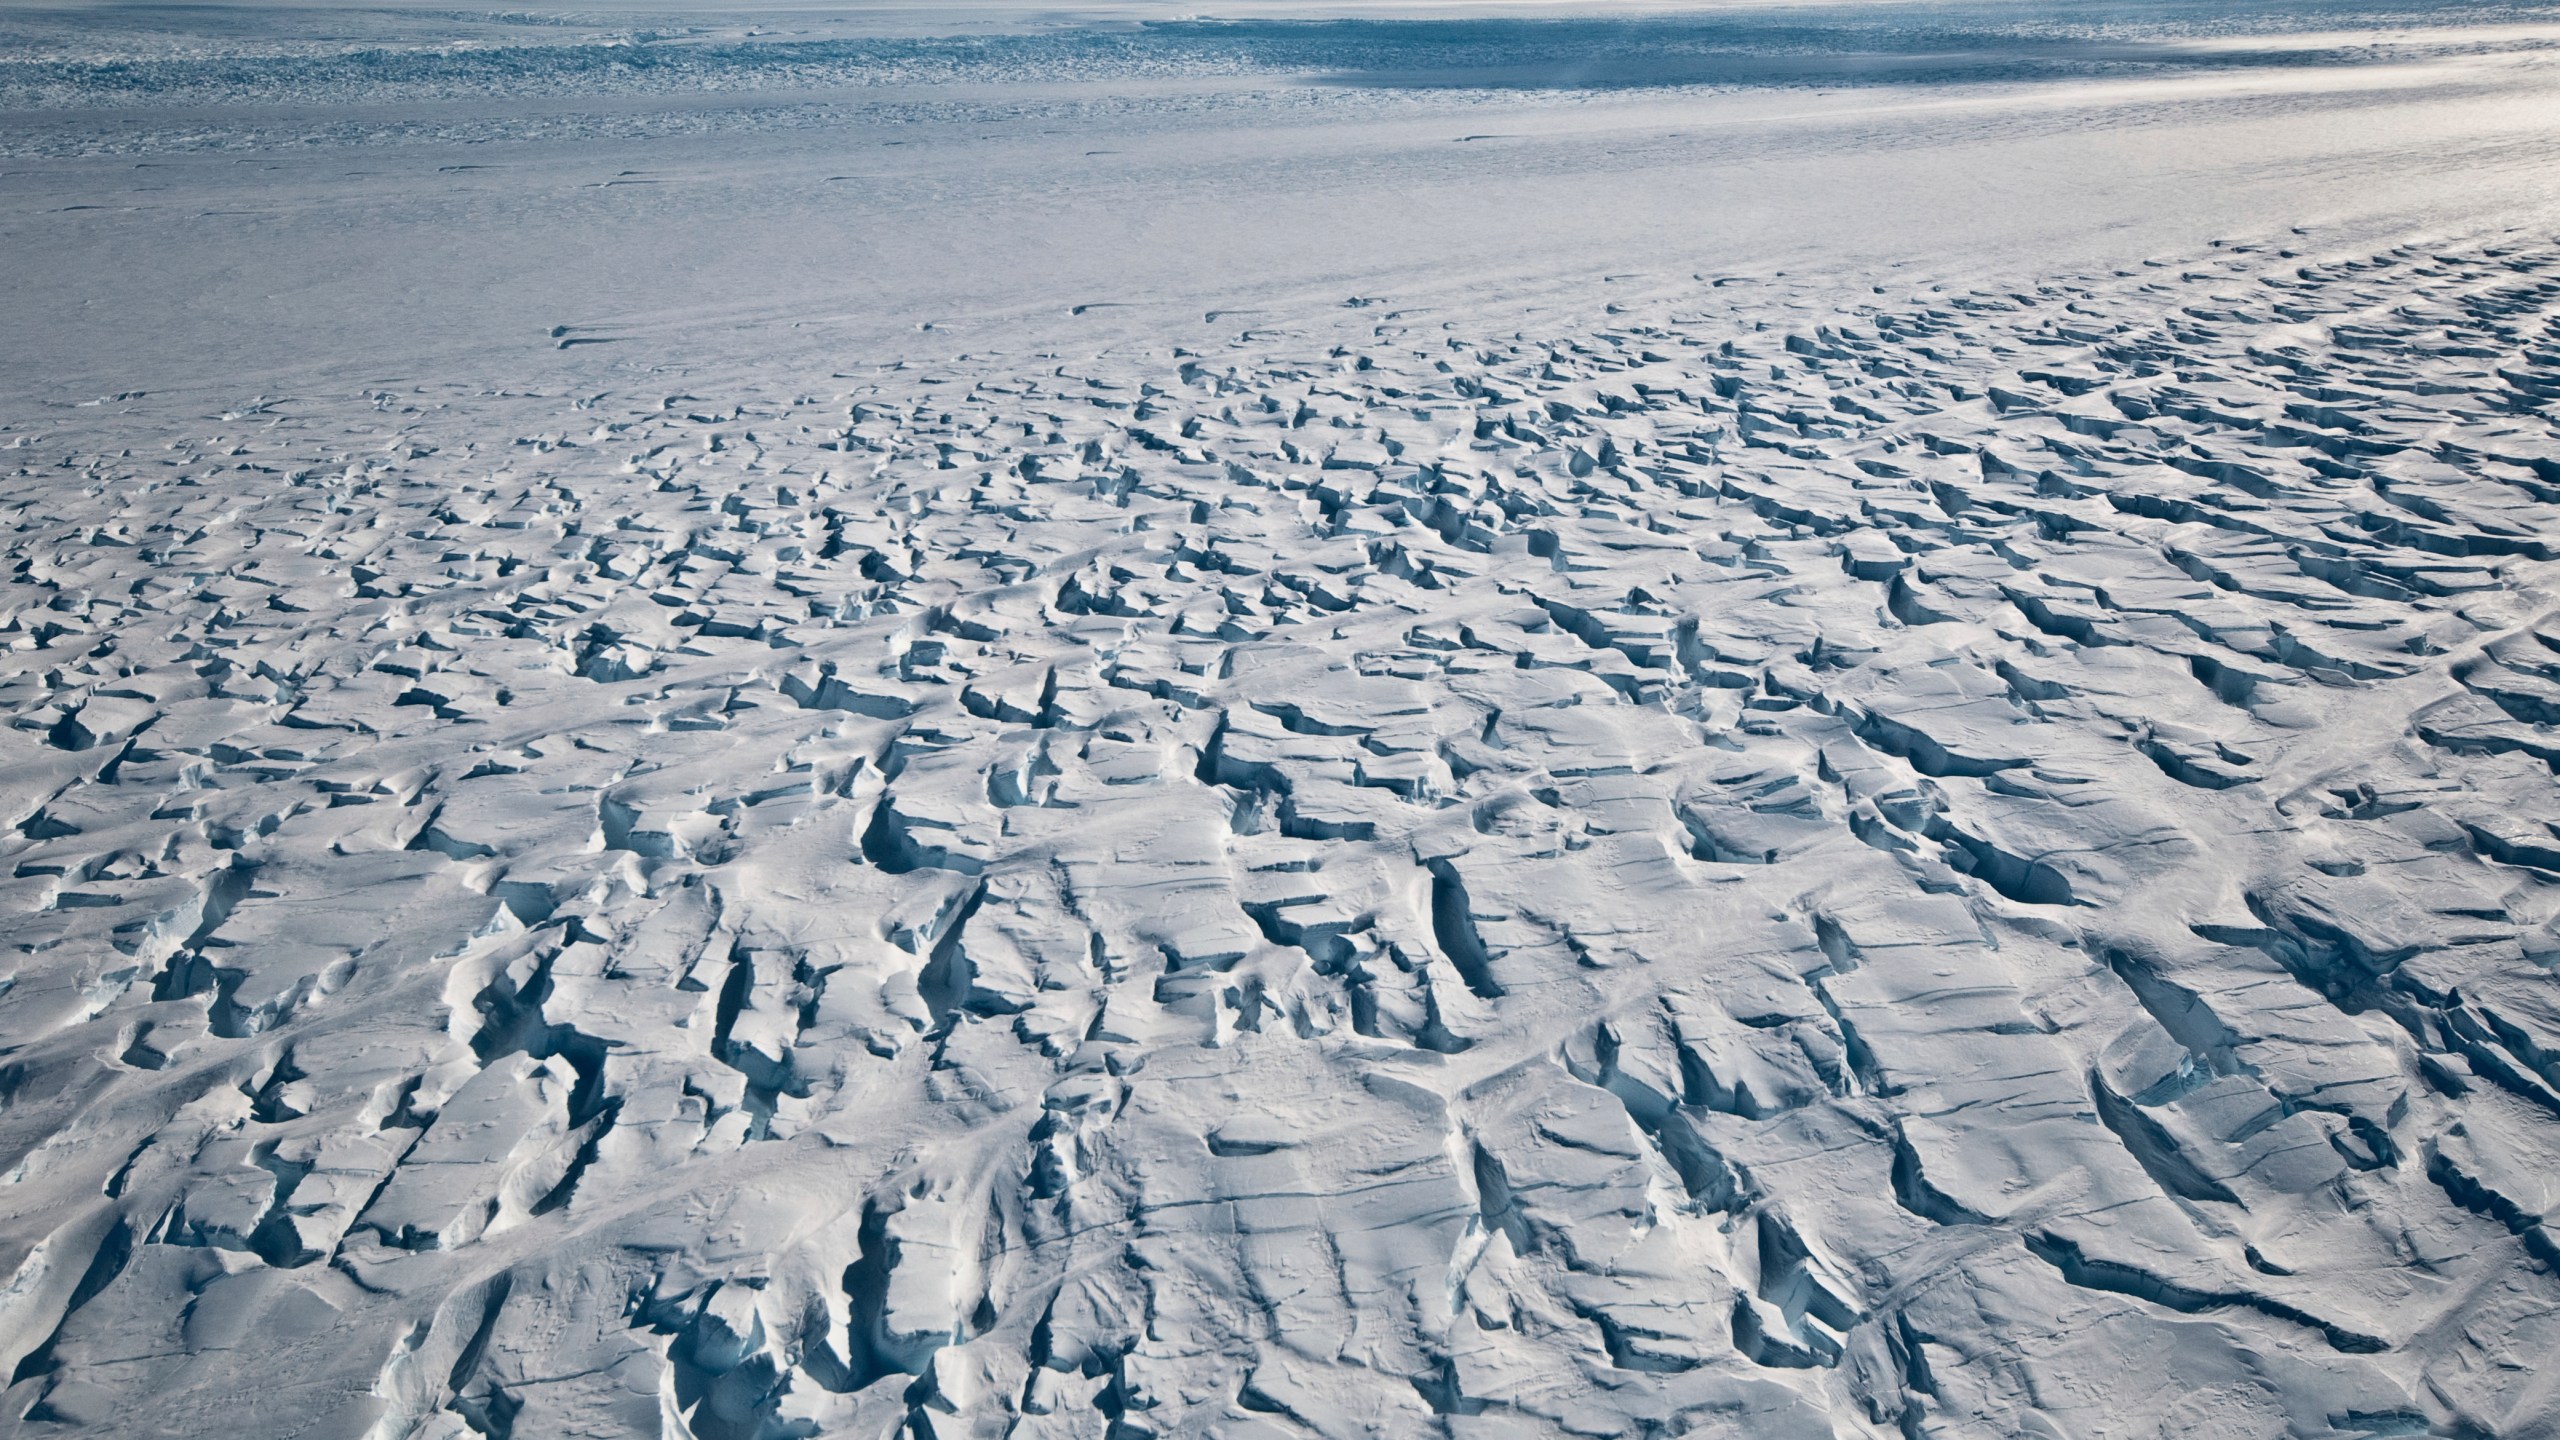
1982,864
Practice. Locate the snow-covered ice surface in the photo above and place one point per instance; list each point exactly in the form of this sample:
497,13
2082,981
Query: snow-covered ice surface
1247,794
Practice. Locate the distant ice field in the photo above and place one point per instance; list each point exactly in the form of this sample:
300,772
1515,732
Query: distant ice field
139,56
226,192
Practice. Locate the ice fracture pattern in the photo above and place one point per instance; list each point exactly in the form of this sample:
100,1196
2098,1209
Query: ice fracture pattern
1974,864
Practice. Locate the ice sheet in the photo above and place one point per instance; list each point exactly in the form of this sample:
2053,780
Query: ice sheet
1745,722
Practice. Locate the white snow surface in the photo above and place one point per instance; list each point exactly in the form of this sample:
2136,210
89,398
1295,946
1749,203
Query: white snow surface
1737,722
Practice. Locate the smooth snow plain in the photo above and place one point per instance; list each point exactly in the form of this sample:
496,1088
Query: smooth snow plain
1488,722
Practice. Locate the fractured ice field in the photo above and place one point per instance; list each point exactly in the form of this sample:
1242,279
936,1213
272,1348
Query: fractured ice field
1759,723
